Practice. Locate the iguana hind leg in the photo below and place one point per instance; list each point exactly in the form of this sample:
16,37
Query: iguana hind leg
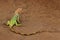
8,23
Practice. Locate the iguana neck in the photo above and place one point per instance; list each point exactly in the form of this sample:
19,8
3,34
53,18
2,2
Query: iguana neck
15,16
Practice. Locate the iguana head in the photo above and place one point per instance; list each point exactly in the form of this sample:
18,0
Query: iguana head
19,10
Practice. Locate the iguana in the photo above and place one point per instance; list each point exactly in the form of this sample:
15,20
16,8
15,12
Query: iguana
15,21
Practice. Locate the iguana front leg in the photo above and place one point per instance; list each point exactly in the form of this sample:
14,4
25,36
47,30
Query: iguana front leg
18,24
18,19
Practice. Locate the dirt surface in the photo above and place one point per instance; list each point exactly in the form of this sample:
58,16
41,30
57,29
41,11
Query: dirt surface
38,15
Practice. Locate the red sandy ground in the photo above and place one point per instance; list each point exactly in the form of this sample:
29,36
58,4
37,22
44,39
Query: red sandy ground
38,15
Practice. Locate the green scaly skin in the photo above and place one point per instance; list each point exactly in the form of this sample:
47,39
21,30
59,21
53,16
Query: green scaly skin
14,21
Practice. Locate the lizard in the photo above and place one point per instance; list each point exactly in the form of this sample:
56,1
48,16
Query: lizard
15,21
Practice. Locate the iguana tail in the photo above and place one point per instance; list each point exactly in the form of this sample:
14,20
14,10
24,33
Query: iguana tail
13,30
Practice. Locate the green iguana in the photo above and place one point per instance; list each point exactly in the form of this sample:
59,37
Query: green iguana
15,21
